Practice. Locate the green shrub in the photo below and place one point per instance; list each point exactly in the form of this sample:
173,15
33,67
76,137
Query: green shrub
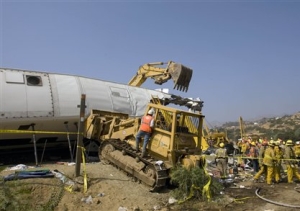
190,183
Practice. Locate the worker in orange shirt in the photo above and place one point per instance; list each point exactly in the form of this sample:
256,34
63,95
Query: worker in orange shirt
253,154
145,131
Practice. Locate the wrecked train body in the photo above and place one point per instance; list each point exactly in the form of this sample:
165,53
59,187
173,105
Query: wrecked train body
48,102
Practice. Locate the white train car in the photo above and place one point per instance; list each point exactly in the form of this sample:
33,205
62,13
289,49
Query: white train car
41,101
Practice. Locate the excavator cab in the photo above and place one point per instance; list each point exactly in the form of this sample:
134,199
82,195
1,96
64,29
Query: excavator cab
180,74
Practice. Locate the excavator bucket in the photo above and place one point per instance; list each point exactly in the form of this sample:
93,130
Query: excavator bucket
181,76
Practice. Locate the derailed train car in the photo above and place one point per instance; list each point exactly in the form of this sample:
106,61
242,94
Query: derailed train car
48,103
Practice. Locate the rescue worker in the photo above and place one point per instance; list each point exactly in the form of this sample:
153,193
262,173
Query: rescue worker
221,160
277,164
297,150
282,146
290,161
261,154
244,148
268,161
253,154
145,131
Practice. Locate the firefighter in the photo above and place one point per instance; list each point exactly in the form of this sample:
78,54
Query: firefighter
297,150
277,164
290,160
261,154
268,161
282,146
221,160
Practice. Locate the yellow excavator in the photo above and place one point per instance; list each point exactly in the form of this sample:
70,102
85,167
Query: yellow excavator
212,138
176,137
180,74
175,141
244,135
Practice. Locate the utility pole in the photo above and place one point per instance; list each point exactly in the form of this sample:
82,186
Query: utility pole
79,137
34,145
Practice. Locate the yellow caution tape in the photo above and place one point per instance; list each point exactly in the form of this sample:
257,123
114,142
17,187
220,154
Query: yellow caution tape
275,159
36,132
240,200
69,188
206,188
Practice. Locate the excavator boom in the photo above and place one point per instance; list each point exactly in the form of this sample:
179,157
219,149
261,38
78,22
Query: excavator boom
180,74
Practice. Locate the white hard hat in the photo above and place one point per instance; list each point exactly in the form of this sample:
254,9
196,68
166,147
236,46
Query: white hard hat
150,112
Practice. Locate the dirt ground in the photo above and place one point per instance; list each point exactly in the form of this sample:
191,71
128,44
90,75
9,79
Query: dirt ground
111,189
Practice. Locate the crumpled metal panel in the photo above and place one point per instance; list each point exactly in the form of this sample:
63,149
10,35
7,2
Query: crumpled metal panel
101,95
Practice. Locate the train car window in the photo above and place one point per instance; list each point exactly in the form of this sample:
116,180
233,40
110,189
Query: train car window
14,77
33,80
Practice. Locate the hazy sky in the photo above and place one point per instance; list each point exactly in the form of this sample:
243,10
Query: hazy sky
245,56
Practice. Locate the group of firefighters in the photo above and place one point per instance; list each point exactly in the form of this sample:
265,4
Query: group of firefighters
266,157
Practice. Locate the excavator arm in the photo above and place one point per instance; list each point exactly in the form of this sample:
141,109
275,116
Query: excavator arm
181,75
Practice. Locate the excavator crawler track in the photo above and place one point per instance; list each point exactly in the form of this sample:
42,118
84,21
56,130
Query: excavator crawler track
145,169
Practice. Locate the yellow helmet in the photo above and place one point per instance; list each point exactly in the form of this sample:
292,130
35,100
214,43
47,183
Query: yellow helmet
277,143
289,143
271,143
253,143
221,145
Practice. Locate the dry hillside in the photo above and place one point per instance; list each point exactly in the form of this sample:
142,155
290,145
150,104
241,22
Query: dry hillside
284,127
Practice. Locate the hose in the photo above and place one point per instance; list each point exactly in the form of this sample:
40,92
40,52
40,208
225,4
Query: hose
273,202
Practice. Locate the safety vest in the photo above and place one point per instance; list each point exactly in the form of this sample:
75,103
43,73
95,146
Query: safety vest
221,153
145,124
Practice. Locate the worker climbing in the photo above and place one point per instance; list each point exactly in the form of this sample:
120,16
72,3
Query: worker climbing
147,124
